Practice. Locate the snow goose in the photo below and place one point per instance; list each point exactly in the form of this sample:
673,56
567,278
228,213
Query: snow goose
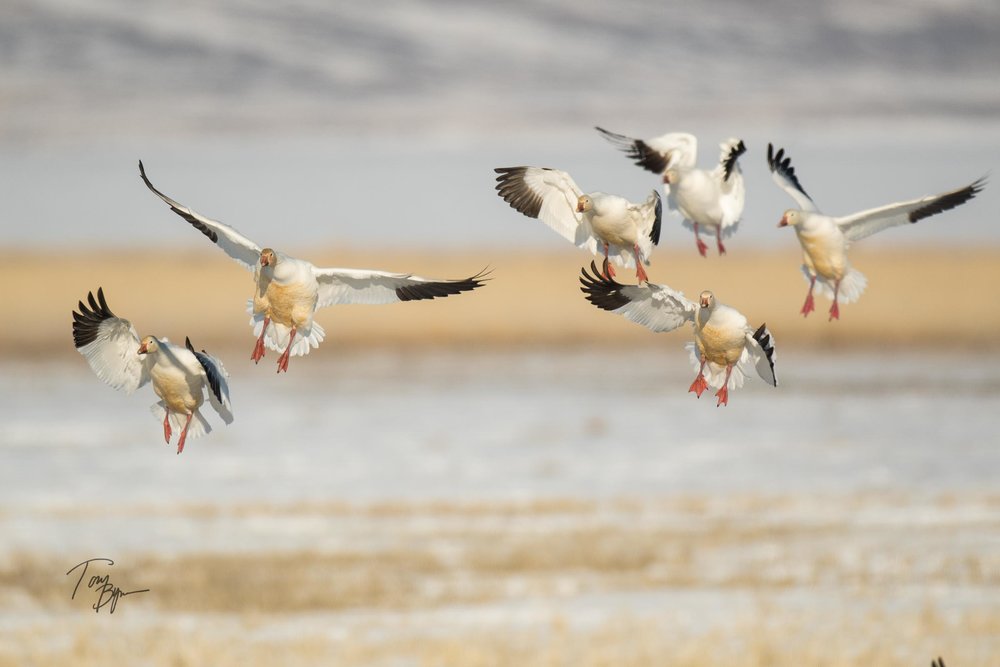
825,239
710,200
724,344
180,375
626,232
287,291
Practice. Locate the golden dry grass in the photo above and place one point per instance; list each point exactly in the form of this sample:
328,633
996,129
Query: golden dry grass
532,299
748,581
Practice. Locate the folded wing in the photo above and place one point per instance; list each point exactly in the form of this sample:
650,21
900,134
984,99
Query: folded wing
215,374
761,344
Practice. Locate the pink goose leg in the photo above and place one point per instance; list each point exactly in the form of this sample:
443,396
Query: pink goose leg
702,247
184,434
258,349
640,273
283,359
723,393
809,305
699,385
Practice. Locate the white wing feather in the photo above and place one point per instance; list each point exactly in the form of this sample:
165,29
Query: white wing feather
680,148
866,223
114,356
234,244
364,286
659,308
550,195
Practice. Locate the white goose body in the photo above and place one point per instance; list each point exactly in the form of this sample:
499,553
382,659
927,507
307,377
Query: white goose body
616,220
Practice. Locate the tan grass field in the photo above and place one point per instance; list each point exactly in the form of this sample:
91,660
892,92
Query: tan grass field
532,298
750,581
789,580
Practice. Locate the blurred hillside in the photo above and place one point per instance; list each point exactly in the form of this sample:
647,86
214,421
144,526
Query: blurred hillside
107,68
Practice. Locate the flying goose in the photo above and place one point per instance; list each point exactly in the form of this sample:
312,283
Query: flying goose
288,291
825,239
724,344
180,375
625,232
709,200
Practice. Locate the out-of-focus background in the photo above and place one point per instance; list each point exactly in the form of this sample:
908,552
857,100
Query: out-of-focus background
508,477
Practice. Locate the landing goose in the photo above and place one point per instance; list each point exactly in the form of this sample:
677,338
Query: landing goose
724,346
825,239
707,199
181,376
624,231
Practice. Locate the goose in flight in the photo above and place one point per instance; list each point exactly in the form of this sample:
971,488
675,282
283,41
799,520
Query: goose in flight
625,232
710,200
725,345
825,239
287,291
180,375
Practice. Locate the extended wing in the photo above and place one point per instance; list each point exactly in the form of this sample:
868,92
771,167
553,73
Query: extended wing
549,195
866,223
234,244
110,344
656,307
347,286
783,174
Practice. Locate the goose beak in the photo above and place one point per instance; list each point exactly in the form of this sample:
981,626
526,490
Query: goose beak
784,221
263,260
579,207
666,179
704,303
142,349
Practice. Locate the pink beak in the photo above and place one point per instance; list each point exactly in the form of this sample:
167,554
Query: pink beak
263,260
579,208
142,349
704,303
666,179
784,221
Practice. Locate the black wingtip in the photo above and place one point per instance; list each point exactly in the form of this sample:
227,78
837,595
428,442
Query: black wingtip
212,235
443,288
730,162
600,290
949,200
637,150
777,162
513,190
87,321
